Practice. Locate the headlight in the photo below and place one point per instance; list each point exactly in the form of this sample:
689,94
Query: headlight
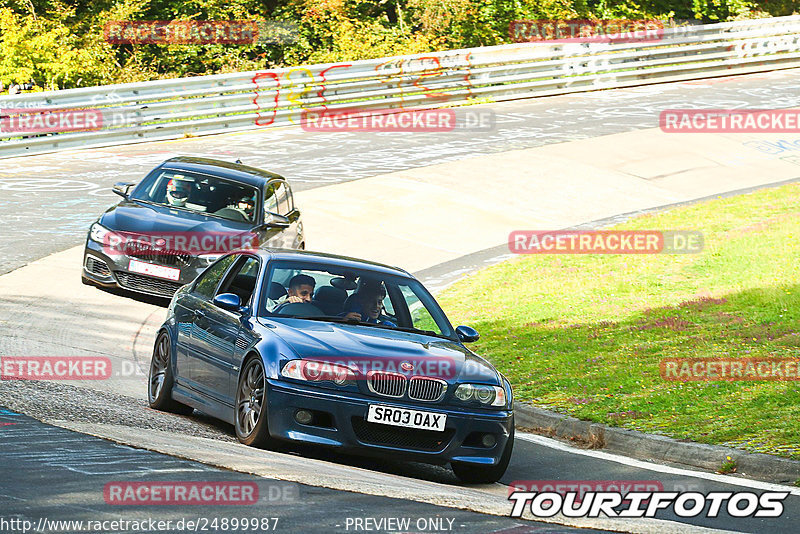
98,233
210,258
489,395
313,371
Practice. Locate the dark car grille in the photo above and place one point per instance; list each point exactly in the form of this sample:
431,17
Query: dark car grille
98,267
426,389
387,384
145,252
146,284
404,438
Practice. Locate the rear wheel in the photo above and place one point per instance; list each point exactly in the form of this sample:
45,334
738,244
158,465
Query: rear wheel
251,405
161,379
479,474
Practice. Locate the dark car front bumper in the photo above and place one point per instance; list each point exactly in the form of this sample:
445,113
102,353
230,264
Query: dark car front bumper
346,428
112,270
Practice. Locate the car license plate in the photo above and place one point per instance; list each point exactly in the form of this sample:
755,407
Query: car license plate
390,415
159,271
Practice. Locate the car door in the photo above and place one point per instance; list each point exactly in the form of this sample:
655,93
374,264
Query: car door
270,236
216,331
279,201
189,311
287,208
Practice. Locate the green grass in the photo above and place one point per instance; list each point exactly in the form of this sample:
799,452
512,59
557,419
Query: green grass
584,334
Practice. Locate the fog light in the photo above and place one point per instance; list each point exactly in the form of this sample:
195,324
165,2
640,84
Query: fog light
303,417
489,441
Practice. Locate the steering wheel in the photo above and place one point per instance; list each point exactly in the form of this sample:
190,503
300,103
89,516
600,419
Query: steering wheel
301,309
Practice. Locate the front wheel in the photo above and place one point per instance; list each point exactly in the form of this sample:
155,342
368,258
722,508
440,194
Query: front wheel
161,379
251,405
479,474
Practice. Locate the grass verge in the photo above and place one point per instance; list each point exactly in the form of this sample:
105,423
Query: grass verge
584,334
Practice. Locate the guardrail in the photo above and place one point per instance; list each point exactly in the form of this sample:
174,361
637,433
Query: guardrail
168,109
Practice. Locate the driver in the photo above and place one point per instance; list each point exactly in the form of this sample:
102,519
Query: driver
178,189
301,289
246,205
368,304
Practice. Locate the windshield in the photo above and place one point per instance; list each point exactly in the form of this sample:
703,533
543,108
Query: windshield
357,296
199,193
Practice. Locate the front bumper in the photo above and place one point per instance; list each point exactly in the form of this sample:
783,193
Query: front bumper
112,271
347,428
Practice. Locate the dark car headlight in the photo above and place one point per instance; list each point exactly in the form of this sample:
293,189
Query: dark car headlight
485,394
99,233
210,258
313,371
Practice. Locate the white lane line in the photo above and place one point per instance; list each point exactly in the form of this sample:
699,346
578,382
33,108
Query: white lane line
747,483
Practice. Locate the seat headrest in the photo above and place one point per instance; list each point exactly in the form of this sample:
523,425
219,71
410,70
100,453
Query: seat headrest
276,291
330,294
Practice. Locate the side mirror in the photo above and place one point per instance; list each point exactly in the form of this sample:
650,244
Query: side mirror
122,188
467,334
228,301
273,220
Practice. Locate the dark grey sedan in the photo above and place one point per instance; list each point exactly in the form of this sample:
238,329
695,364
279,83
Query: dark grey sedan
183,216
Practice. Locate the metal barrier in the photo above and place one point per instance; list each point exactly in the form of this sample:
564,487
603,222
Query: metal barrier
169,109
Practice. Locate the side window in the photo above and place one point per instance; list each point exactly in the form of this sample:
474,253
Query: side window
208,281
270,200
241,280
282,192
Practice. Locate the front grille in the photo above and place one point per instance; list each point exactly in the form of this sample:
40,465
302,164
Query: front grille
426,389
98,267
146,284
145,252
404,438
386,384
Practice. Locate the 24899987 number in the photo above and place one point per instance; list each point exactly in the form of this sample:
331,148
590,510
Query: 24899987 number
234,524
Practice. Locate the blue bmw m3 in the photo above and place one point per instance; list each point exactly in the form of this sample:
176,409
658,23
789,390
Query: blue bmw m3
332,351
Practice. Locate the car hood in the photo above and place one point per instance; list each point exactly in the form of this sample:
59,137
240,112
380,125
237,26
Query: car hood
374,348
135,217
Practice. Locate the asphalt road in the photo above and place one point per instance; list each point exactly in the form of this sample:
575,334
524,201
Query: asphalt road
48,201
59,477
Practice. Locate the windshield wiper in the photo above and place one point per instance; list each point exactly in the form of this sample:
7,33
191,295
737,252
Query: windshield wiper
416,331
184,208
345,320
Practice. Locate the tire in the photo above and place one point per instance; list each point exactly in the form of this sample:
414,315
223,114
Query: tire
251,423
478,474
161,379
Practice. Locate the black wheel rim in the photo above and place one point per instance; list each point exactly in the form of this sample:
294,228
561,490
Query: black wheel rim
251,398
158,367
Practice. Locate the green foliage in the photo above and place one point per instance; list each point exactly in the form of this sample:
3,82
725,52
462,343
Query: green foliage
721,10
60,44
587,335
